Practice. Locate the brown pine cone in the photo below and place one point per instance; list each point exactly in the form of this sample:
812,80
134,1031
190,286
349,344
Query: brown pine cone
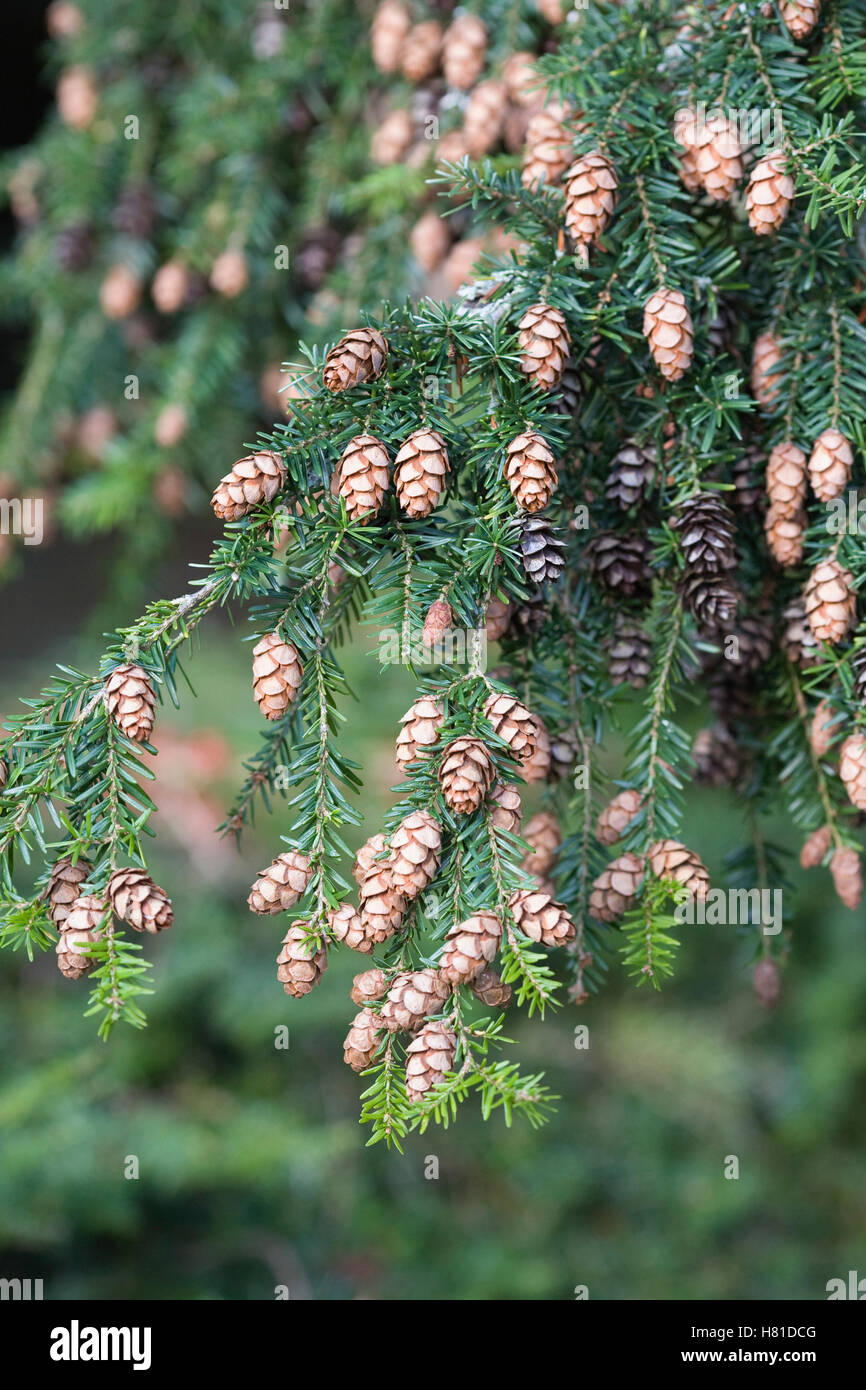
369,986
429,1058
412,996
120,292
617,816
390,145
281,885
391,24
300,965
800,16
170,287
136,899
630,655
64,886
419,730
131,700
277,675
505,807
544,837
831,604
371,850
465,774
548,146
496,619
554,11
830,465
421,50
769,194
667,325
229,274
707,531
488,987
484,116
536,768
565,749
464,48
754,644
718,157
785,536
815,848
253,480
419,472
620,562
362,476
83,927
469,946
362,1040
513,723
544,342
382,907
630,474
540,917
766,982
437,622
415,848
711,599
798,642
766,355
748,492
852,769
361,356
716,756
847,877
430,241
786,479
615,890
348,929
685,133
530,471
670,859
521,78
590,199
823,729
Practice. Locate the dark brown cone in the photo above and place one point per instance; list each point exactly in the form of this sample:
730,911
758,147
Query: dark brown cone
300,965
858,670
798,642
419,730
706,531
565,750
766,982
716,756
711,599
469,946
277,675
465,773
541,918
530,471
136,899
544,342
131,700
615,890
362,476
542,551
630,475
415,848
419,473
412,996
369,986
429,1058
630,656
253,480
360,356
488,987
753,646
82,928
362,1040
621,562
672,860
281,885
64,886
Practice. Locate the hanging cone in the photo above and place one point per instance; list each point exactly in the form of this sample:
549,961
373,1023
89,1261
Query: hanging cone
530,471
718,157
615,890
544,342
766,355
419,472
464,49
496,619
361,356
82,928
766,983
362,476
347,928
412,996
630,657
847,877
277,675
831,604
430,241
382,907
769,195
542,551
590,199
785,536
548,146
64,886
521,78
362,1040
716,756
469,946
300,965
419,730
415,848
815,848
536,768
617,816
465,773
672,860
513,723
711,599
852,769
565,749
484,116
136,899
800,16
437,622
544,837
786,479
369,986
229,274
253,480
830,465
823,729
391,24
706,529
373,849
620,562
798,643
858,670
686,135
429,1058
488,987
131,700
281,885
746,478
631,473
754,644
390,145
541,918
505,808
667,325
421,50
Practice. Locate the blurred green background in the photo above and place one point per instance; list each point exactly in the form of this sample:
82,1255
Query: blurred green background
253,1170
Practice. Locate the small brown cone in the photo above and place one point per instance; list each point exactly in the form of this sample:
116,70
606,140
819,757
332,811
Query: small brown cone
82,928
686,135
831,605
277,675
496,619
131,700
253,480
540,917
465,774
797,641
537,767
64,886
464,48
437,622
667,325
815,848
823,729
391,24
136,899
415,848
785,536
230,274
786,479
389,145
769,195
170,286
544,342
544,837
847,877
765,980
362,1040
718,157
300,965
505,808
120,292
419,730
430,241
361,356
670,859
766,355
419,472
617,815
830,465
521,78
469,946
513,723
348,929
281,885
420,56
616,888
852,769
488,987
429,1058
530,471
548,146
412,996
369,986
382,908
590,199
362,476
800,16
484,116
372,849
77,97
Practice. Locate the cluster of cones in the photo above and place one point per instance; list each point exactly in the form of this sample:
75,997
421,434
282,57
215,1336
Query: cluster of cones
83,919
